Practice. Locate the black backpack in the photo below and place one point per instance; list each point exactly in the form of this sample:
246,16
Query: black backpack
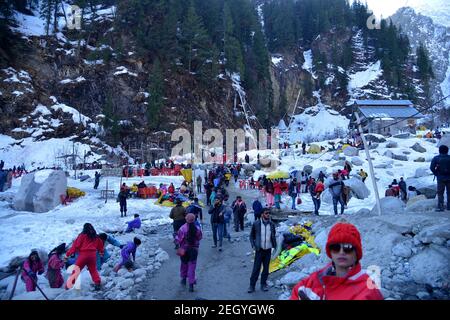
443,166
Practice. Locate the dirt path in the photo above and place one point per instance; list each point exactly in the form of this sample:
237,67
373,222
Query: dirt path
220,275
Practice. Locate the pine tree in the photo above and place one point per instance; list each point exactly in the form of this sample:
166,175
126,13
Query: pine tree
156,98
194,40
47,12
424,63
231,46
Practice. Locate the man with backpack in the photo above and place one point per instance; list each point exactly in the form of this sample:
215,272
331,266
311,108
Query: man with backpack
440,166
316,189
336,189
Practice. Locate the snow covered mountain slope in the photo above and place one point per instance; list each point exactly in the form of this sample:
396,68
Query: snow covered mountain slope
436,37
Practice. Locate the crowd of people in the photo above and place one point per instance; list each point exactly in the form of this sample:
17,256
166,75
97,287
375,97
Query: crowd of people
87,250
8,174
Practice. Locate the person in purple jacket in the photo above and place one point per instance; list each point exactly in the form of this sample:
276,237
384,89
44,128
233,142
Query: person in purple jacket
188,238
134,224
126,252
31,267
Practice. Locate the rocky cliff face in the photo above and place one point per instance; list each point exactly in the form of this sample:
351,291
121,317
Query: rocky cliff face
58,86
436,37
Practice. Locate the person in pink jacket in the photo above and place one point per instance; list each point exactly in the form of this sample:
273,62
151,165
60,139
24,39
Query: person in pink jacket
188,238
32,266
55,264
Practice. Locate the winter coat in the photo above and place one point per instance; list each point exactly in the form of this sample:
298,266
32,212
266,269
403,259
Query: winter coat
177,213
134,224
83,244
402,185
277,188
255,235
215,214
324,285
122,196
269,187
182,235
257,207
129,249
228,213
440,166
171,189
32,270
239,207
196,210
54,276
293,189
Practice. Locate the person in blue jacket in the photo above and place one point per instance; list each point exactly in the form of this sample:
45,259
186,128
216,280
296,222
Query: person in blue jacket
106,238
257,208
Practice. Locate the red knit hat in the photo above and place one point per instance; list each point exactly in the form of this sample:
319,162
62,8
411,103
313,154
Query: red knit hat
345,233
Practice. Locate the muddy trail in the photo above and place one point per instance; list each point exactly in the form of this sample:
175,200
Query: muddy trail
221,275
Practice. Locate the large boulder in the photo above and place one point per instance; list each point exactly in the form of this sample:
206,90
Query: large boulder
392,144
357,161
23,200
415,199
420,159
389,205
429,192
375,138
351,151
314,149
358,188
48,195
428,234
444,141
308,169
417,147
431,266
402,135
292,278
403,249
373,146
423,205
388,153
400,157
422,172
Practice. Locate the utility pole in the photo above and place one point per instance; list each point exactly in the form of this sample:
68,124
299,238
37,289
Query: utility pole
372,173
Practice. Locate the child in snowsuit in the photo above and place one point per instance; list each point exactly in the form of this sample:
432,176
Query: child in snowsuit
31,267
129,249
87,244
55,264
134,224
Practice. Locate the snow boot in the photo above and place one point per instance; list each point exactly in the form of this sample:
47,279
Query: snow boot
191,288
97,287
264,287
251,289
183,281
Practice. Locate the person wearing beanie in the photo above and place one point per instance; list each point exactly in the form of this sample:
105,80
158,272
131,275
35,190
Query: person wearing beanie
343,278
188,239
440,166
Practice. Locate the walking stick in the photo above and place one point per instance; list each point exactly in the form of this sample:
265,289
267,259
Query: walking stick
37,286
15,282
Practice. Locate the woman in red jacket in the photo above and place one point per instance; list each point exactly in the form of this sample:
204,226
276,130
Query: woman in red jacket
343,278
277,192
87,244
